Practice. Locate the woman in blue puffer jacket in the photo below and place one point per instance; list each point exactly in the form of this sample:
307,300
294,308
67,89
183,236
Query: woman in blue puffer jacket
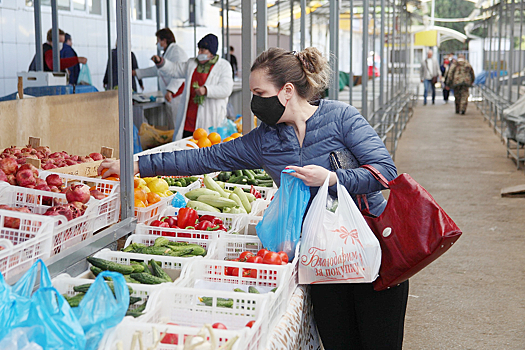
298,134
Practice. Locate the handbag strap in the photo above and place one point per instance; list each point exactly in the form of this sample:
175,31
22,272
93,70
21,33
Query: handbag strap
377,175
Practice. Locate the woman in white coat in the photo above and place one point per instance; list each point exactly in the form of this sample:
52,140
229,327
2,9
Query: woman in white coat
171,88
208,85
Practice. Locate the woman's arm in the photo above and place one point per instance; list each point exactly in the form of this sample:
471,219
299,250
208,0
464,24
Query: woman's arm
241,153
366,146
173,69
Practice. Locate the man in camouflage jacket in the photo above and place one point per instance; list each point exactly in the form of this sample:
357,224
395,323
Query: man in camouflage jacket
460,78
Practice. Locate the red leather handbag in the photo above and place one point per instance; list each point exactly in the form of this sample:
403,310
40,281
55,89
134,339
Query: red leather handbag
413,230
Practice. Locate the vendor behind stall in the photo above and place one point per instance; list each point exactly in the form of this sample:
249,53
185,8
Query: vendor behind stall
208,85
171,88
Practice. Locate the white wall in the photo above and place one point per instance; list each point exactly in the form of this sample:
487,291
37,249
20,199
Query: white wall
17,37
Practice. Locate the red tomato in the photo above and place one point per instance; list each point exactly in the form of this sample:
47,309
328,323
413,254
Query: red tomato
218,325
234,271
255,259
250,324
252,273
168,234
284,257
245,255
272,258
262,252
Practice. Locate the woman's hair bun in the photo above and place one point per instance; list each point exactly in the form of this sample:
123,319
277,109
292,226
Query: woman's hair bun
316,67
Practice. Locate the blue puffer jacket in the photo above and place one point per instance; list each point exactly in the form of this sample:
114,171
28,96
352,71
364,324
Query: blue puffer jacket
334,126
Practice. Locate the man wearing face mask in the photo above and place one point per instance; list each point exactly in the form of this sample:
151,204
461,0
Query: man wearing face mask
171,88
208,84
48,54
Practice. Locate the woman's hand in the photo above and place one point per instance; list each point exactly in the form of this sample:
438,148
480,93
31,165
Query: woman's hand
113,167
201,91
156,59
313,175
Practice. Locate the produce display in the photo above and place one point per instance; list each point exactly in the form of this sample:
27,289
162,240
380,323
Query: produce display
256,177
150,190
180,181
82,289
138,272
49,160
202,139
189,219
263,256
215,198
164,246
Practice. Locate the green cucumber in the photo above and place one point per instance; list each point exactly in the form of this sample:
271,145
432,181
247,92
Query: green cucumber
110,265
158,271
252,289
245,202
95,270
146,278
75,301
201,206
249,174
134,300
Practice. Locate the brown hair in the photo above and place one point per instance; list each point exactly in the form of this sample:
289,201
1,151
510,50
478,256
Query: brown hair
307,70
50,34
165,34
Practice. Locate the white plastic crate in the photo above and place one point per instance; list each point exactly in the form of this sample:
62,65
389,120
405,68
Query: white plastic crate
209,242
284,277
108,210
175,267
25,245
266,192
150,213
231,221
259,207
64,283
182,307
168,147
66,233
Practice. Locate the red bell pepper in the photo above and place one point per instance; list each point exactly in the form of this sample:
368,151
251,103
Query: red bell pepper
204,225
155,223
214,220
187,217
256,193
171,220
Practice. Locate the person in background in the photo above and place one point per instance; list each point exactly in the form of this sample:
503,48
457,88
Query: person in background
460,78
171,88
444,69
48,54
429,71
134,65
299,134
66,52
208,84
233,62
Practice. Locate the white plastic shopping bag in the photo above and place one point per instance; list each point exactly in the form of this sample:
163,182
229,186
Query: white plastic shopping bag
337,247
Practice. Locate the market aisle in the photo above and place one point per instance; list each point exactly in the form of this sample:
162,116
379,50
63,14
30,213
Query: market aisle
473,296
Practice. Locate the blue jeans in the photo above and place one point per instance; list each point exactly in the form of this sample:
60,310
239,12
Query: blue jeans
429,86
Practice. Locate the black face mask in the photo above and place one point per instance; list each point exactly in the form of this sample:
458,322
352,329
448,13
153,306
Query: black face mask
268,109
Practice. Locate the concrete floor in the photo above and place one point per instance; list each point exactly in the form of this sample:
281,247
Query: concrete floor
473,297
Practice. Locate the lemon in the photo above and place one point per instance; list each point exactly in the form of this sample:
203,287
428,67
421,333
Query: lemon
168,193
149,179
145,188
158,186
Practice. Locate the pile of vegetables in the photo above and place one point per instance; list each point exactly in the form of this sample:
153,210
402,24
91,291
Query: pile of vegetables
257,177
82,289
215,198
263,256
188,219
174,181
164,246
138,272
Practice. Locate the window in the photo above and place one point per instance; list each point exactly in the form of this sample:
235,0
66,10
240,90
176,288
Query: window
149,9
61,4
79,5
95,7
137,10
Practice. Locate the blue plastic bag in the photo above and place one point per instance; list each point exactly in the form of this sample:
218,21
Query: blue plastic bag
45,311
280,227
179,201
99,310
137,147
84,77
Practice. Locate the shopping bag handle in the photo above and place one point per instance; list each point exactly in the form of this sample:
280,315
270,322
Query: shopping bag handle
26,283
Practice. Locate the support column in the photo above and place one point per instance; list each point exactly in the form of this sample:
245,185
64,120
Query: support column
39,60
166,14
247,35
520,46
511,51
223,34
500,32
125,109
262,27
334,48
110,56
373,57
291,25
350,93
382,54
54,31
303,24
364,78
